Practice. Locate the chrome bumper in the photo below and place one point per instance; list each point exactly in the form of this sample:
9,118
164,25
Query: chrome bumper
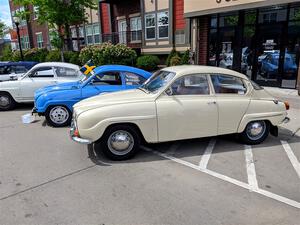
75,138
286,120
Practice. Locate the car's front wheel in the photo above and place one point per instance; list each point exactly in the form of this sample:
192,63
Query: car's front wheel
6,101
255,132
58,116
120,142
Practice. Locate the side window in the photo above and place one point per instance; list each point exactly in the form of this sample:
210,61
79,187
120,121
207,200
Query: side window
42,72
19,69
109,78
226,84
133,79
4,70
65,72
191,85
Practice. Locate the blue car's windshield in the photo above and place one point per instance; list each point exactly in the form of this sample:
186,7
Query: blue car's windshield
157,81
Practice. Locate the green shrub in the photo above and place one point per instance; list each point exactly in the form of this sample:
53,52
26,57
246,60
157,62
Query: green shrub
108,53
36,54
147,62
16,56
6,54
175,60
185,58
53,56
170,56
72,57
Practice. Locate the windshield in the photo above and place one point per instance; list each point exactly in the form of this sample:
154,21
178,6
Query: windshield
157,81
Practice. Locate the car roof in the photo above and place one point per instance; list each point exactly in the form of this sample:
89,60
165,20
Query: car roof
120,68
62,64
194,69
20,63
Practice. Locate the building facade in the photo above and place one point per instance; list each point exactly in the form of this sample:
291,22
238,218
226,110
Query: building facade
260,38
32,34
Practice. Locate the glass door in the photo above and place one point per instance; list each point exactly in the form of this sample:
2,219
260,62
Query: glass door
269,54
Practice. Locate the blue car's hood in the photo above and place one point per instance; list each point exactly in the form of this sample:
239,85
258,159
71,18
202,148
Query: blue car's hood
58,87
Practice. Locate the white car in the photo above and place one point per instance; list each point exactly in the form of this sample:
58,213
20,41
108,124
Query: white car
41,75
178,103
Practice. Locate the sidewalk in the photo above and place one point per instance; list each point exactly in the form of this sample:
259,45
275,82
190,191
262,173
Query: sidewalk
282,92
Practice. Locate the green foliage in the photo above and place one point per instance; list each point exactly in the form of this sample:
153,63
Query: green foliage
56,41
36,54
170,56
108,53
16,56
185,58
53,56
3,29
72,57
6,54
175,60
147,62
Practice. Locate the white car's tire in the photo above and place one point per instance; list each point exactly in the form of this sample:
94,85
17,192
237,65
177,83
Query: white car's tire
120,142
255,132
58,116
6,101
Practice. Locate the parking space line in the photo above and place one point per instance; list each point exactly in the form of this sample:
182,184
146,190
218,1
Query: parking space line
206,156
291,156
227,179
252,181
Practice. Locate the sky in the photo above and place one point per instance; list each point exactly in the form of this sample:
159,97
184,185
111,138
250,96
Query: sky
5,12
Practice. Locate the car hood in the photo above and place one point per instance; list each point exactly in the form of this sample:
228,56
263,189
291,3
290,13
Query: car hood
107,99
58,87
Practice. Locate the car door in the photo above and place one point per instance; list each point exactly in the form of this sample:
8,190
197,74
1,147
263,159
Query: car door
5,72
233,99
103,83
65,74
189,109
132,80
38,78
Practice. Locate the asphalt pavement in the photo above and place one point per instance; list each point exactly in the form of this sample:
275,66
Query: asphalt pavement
45,178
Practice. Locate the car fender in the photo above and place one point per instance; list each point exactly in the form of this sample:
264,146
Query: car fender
93,123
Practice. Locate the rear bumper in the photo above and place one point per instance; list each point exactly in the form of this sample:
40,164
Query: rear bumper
76,138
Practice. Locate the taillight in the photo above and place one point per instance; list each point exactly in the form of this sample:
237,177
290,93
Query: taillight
287,105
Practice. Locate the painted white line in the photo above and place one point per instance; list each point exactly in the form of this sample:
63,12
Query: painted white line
252,181
228,179
291,156
206,156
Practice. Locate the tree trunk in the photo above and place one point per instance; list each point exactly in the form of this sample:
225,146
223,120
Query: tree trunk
68,36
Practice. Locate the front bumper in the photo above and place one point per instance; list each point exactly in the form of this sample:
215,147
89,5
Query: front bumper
76,138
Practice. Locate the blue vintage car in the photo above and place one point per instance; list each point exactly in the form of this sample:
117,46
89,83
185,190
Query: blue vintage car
56,102
269,66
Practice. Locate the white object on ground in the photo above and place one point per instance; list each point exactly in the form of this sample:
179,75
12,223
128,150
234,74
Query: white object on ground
28,118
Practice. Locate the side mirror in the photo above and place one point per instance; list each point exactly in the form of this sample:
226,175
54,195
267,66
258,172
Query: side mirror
169,91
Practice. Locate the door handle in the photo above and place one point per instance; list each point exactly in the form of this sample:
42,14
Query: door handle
212,103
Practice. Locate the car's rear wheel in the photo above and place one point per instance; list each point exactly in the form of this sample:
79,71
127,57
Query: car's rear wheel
120,142
6,102
58,116
255,132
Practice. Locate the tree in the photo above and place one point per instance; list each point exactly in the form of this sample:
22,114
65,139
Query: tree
61,14
3,29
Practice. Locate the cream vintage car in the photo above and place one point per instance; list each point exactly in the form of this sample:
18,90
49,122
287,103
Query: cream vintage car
176,103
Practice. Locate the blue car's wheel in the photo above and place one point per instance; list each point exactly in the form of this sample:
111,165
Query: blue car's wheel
58,116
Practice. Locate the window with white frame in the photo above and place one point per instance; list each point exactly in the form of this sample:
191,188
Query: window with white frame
150,26
136,28
96,34
39,39
163,24
89,34
25,42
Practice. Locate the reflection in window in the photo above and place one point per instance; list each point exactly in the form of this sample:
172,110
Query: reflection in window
226,84
191,85
163,24
150,26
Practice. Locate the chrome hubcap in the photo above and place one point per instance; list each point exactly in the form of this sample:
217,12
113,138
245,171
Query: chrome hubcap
59,114
4,101
256,130
120,142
